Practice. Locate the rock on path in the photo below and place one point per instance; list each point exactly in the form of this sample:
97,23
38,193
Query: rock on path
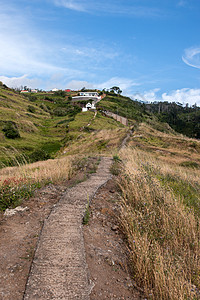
59,269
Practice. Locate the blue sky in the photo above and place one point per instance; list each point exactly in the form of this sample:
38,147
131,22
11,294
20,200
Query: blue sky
150,48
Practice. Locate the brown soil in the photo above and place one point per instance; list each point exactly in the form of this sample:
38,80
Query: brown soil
106,252
105,249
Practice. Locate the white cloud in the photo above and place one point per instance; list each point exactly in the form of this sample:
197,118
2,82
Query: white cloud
98,53
15,82
59,81
70,4
151,95
78,84
185,95
192,57
124,84
25,51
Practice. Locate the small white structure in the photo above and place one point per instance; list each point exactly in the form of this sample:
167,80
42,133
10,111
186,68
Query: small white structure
55,90
88,107
24,91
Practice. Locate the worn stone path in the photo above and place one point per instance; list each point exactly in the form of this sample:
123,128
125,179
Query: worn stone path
59,269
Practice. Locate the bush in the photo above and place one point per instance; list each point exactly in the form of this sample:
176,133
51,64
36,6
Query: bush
190,164
31,109
60,112
60,93
13,191
38,155
32,98
10,130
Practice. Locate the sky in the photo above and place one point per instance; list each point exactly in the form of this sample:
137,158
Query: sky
149,48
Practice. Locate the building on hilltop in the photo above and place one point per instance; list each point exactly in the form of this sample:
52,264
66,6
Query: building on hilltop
24,91
89,94
89,106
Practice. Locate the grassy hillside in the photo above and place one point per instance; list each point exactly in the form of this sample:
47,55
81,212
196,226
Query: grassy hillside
124,106
41,124
159,179
158,176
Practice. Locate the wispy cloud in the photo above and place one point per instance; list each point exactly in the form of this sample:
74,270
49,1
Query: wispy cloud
109,7
70,4
23,80
125,84
25,51
182,3
192,57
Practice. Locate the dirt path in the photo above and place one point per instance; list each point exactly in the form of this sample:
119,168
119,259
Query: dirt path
59,269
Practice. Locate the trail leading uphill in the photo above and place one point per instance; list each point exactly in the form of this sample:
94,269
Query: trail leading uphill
59,269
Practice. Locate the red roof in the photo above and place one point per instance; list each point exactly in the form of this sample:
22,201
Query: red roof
67,90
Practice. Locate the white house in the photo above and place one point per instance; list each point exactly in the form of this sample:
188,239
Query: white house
55,90
89,94
88,107
24,91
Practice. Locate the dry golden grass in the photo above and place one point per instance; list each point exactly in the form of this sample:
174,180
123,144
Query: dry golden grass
43,171
167,147
105,141
162,232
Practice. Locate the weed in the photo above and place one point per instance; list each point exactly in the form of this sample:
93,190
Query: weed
116,166
116,158
190,164
86,216
13,191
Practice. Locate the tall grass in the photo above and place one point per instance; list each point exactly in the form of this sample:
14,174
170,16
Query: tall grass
19,183
162,230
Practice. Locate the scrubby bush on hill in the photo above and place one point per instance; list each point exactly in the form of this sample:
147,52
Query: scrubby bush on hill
10,130
31,109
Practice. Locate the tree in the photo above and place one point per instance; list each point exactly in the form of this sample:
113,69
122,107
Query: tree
116,90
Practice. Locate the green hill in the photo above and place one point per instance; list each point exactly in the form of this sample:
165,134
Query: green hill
36,126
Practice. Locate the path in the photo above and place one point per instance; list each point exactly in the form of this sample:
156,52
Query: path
59,269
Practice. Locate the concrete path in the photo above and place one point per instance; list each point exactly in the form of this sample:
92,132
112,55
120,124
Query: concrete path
59,269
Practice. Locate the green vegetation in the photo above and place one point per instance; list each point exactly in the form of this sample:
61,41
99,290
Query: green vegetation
37,130
124,106
86,216
185,120
10,130
14,190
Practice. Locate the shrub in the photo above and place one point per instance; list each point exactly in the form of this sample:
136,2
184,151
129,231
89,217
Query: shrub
11,131
60,111
13,191
38,155
190,164
31,109
32,98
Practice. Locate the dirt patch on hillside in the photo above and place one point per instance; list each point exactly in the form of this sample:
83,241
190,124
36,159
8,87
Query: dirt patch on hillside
107,255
